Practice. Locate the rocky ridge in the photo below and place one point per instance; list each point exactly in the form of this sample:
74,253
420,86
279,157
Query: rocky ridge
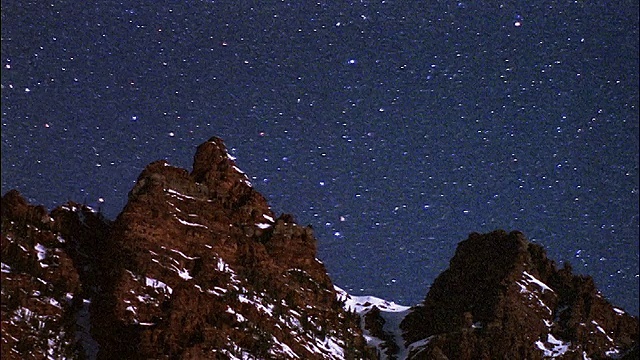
198,266
195,266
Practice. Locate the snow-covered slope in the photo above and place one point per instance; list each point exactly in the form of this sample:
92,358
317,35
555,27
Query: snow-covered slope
386,339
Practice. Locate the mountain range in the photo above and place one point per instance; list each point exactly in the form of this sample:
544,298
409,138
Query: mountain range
197,266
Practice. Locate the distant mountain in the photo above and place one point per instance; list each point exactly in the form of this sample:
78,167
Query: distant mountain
198,267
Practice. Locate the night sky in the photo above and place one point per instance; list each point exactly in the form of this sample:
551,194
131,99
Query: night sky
395,128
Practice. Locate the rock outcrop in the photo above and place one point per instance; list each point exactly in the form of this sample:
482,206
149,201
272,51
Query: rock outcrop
197,266
45,278
501,298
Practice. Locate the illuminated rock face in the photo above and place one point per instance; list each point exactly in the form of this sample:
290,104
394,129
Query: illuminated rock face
198,266
502,298
195,266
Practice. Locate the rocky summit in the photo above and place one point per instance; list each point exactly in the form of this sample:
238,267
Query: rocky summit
197,266
502,298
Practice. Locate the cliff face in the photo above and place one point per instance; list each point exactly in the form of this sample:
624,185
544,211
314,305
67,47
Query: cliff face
502,298
197,266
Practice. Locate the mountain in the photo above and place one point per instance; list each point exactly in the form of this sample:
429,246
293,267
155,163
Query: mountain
197,266
501,297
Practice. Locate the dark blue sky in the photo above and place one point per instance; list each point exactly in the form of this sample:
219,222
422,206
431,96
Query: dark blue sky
394,128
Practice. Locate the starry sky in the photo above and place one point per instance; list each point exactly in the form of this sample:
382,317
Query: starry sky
395,128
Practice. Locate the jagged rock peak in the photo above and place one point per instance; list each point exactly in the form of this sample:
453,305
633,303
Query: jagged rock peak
195,266
211,156
202,268
216,183
501,297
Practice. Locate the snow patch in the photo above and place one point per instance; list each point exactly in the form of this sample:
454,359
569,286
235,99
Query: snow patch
183,273
218,291
600,329
329,347
618,311
144,299
180,196
553,347
364,303
613,353
224,267
69,208
42,251
532,295
22,314
157,284
189,223
283,349
180,253
55,303
534,280
239,316
221,265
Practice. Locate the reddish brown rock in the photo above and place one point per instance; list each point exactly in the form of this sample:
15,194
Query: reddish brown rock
201,268
195,266
502,298
43,295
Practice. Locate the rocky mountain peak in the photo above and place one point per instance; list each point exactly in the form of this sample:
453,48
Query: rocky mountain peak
216,169
196,266
211,157
501,297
